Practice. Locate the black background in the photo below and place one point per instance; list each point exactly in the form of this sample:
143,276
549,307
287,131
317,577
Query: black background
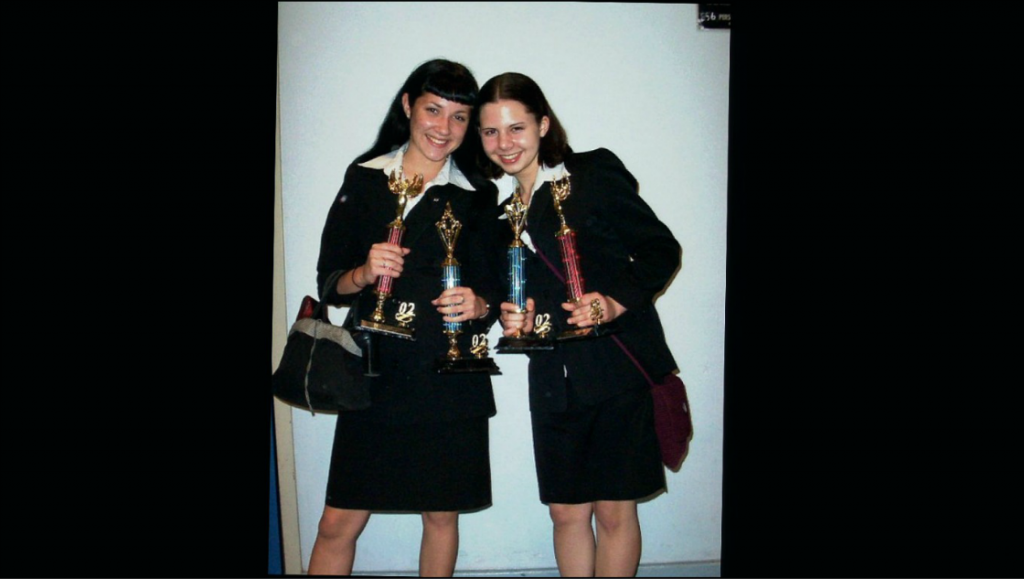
141,173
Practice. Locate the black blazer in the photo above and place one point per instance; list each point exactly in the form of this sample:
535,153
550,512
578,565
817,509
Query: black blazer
409,389
625,253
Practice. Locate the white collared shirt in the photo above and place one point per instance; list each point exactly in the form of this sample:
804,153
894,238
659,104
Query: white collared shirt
392,161
506,184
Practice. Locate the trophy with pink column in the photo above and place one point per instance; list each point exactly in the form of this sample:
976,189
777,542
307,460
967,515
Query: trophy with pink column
574,282
405,190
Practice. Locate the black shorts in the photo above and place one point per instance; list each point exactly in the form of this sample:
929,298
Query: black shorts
442,466
606,452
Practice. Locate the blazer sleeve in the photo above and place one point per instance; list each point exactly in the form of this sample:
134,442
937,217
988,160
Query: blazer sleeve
341,243
652,252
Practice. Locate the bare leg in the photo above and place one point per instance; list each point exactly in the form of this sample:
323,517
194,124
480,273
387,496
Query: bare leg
335,546
618,538
440,546
574,539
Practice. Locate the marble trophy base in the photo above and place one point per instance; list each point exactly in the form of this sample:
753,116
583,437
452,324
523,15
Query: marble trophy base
387,330
466,365
588,332
518,345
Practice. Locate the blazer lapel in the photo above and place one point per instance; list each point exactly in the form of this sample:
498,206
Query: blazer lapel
540,206
425,215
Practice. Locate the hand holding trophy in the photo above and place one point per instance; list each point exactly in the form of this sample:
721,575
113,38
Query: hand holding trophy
405,190
451,277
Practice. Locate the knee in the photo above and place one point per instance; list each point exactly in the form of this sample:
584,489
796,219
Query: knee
615,515
341,524
441,519
569,515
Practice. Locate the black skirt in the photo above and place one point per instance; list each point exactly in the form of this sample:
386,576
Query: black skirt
605,452
441,466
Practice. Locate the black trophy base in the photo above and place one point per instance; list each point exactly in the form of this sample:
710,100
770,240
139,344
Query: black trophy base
466,365
387,330
588,332
518,345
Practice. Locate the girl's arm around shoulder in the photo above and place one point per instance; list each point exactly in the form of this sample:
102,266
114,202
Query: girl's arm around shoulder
488,255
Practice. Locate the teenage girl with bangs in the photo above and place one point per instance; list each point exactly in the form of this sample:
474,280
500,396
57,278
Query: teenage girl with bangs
422,445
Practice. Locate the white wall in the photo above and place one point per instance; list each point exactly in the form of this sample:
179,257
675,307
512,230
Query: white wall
639,79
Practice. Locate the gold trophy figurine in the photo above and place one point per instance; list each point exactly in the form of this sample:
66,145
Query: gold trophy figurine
451,276
574,284
405,190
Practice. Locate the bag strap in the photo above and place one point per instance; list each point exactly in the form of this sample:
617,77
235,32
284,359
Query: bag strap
318,311
625,350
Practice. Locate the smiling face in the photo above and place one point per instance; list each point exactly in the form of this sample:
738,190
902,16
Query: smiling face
511,138
437,127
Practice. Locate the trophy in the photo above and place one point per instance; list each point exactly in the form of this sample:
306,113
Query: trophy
451,276
405,190
520,342
573,276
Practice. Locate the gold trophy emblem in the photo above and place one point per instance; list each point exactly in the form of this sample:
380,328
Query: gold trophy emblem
542,325
479,348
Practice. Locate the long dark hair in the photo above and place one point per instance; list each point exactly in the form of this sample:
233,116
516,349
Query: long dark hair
554,146
448,80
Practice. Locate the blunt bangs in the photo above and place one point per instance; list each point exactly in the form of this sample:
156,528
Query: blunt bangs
459,88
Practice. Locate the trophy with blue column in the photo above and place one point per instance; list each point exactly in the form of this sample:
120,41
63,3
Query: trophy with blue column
451,276
520,341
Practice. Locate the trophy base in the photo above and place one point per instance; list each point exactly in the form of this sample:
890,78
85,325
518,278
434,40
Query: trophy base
466,365
387,330
588,332
514,345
